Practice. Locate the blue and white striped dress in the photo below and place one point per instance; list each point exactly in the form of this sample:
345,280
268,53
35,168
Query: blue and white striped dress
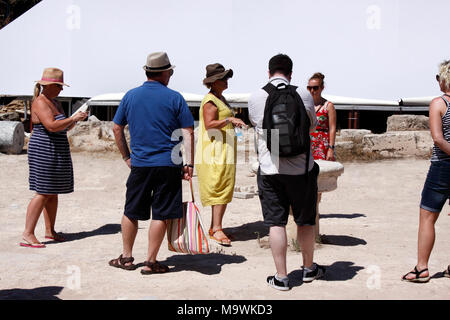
49,161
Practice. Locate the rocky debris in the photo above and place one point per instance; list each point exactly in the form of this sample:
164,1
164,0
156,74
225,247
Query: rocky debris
13,111
94,136
408,122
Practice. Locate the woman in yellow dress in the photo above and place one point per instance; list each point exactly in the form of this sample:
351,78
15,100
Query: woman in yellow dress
216,149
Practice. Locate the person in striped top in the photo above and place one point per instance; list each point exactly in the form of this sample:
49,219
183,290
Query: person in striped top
49,160
436,190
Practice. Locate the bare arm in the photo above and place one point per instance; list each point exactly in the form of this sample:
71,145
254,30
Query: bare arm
332,129
437,111
188,141
121,143
45,116
210,116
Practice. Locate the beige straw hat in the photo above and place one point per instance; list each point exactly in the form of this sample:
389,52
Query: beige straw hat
52,76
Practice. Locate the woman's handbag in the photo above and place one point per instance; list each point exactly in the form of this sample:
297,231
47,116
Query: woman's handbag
187,234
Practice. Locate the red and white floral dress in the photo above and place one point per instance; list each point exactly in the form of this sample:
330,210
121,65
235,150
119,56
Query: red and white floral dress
320,138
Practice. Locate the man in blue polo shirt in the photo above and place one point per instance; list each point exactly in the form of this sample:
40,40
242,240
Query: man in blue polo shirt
154,115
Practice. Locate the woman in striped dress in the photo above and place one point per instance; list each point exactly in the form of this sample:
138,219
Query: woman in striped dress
50,163
436,190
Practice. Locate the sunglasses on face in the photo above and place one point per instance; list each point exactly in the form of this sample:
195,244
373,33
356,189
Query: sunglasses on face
438,78
311,88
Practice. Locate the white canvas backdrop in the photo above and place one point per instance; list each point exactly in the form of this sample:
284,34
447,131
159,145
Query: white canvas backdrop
375,49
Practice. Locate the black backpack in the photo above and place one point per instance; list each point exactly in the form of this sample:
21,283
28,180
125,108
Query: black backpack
286,112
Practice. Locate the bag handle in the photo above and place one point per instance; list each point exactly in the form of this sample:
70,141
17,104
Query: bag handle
192,190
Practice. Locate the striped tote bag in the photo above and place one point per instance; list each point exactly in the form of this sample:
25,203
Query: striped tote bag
187,234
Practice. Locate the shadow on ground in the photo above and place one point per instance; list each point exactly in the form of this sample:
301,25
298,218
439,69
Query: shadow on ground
338,271
43,293
438,275
248,231
342,216
208,264
103,230
340,240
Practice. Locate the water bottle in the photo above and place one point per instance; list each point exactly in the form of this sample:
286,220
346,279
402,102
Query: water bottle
239,135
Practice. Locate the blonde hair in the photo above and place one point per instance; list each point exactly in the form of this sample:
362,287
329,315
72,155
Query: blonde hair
37,91
444,74
318,76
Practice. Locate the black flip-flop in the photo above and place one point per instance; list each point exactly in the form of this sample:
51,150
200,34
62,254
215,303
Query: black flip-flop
417,279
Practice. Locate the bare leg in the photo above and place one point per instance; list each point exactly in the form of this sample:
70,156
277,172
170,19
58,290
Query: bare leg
218,211
425,241
34,210
317,228
50,209
278,245
305,238
156,234
129,232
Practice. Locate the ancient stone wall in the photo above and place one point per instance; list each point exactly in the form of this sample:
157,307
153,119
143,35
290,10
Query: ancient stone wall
407,136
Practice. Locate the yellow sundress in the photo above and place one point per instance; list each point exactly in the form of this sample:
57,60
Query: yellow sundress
215,157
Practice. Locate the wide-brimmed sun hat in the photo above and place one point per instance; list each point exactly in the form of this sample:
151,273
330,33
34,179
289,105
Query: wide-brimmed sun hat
158,62
216,71
52,76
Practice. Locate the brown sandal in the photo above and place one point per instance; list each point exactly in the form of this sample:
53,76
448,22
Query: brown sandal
222,241
120,262
155,267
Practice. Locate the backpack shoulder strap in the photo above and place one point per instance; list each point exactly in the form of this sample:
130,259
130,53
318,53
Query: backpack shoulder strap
269,88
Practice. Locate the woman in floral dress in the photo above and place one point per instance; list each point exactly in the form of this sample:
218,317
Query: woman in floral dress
324,137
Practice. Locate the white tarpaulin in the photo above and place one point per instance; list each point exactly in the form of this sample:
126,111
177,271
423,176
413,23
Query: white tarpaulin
372,49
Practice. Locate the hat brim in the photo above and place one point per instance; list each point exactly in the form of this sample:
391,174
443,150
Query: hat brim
153,70
44,83
227,73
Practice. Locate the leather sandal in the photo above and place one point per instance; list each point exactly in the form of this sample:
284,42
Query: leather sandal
155,267
121,262
222,241
418,278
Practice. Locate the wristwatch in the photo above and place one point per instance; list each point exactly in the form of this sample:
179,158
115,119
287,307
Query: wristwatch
125,158
188,165
227,121
331,146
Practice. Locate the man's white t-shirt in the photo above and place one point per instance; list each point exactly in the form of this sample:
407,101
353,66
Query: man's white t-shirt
271,165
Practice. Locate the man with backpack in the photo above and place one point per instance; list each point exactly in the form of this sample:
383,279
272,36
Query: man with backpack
283,116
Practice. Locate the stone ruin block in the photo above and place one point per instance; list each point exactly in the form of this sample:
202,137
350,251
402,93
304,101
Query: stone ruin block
408,122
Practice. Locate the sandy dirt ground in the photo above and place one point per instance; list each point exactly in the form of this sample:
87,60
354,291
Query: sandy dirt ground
370,222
